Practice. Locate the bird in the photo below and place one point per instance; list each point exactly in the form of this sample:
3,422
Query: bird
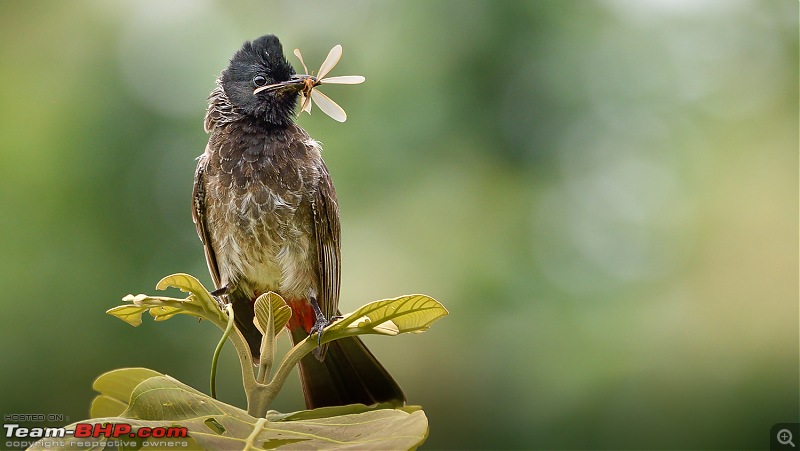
266,211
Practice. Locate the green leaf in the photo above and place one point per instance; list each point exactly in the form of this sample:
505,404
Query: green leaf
374,429
164,313
131,314
115,388
411,313
274,303
161,400
184,282
161,308
106,406
332,411
165,398
198,294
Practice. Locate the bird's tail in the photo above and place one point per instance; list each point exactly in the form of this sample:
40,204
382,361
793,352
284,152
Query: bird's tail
348,374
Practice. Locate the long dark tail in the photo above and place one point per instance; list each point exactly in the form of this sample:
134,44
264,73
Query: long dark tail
349,374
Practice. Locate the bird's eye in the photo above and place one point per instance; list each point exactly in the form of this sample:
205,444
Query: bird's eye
259,80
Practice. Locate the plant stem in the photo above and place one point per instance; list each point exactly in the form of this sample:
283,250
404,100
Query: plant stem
267,352
218,350
291,359
251,387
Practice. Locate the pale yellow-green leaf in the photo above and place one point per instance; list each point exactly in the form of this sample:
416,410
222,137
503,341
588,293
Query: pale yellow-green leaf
198,293
117,385
165,398
181,281
140,303
106,406
163,401
262,310
384,328
410,313
164,313
131,314
274,303
332,411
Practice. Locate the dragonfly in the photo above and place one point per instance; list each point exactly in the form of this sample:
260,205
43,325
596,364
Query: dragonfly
310,82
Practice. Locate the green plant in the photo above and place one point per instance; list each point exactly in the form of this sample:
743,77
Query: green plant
142,397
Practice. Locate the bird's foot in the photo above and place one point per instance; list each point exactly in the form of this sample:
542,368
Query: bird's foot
217,295
320,323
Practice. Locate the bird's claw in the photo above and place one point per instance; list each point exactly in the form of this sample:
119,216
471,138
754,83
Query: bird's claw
320,323
217,295
319,326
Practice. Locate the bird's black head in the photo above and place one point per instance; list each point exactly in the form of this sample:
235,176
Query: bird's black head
256,64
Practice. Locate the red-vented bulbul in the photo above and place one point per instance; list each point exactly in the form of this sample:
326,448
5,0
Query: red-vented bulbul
266,211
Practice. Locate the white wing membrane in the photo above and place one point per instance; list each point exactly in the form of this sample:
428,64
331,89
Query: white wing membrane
328,106
300,57
305,103
344,80
330,61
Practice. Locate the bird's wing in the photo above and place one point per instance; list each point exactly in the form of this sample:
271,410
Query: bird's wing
327,232
199,217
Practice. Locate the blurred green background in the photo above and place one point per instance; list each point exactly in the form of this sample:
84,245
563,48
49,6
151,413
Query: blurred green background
604,194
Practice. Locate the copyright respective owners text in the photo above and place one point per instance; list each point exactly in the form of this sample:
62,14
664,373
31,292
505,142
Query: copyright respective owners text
22,430
783,436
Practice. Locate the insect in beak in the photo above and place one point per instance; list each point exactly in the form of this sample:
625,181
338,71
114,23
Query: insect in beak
309,93
309,83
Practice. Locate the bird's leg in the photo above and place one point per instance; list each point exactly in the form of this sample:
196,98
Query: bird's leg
321,322
217,294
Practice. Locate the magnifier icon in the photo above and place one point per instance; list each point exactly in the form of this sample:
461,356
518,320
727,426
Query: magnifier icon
785,437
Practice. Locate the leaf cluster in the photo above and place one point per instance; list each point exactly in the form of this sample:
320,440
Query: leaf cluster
142,397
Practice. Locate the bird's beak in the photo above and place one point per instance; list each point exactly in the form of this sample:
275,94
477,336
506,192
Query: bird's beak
294,84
